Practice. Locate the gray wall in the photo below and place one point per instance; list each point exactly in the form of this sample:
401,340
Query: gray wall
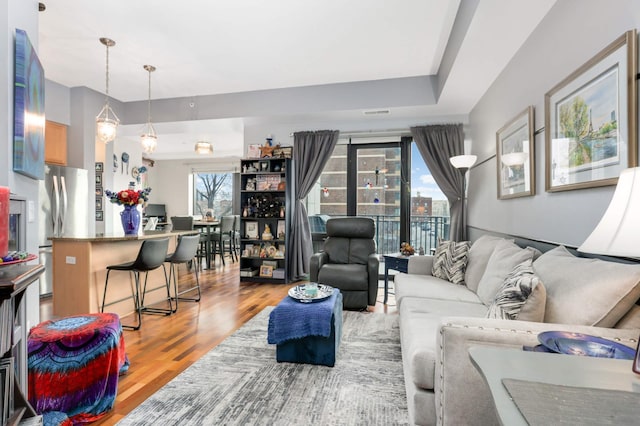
17,14
572,33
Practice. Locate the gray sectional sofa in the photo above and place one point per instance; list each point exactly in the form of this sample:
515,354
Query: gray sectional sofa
440,321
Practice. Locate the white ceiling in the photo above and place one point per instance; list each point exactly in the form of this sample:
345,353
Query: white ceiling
207,47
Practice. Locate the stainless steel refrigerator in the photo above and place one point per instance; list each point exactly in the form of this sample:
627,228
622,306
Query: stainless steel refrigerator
63,212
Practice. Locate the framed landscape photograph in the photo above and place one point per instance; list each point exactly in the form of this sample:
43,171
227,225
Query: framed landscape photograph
590,120
515,157
251,229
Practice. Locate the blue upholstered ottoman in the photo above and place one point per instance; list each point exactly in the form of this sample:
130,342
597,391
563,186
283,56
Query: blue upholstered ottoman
307,333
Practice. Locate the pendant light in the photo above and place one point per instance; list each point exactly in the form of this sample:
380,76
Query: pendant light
149,140
107,121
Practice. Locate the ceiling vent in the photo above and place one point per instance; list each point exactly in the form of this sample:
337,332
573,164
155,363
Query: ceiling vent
377,112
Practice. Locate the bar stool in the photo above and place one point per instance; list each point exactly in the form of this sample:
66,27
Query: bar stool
224,236
151,256
185,253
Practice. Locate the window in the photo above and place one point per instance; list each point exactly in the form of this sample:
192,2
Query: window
212,194
366,177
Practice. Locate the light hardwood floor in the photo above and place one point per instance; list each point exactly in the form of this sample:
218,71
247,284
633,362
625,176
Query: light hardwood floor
166,345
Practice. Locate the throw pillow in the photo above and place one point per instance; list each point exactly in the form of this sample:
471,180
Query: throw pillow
450,261
586,291
479,255
503,260
518,286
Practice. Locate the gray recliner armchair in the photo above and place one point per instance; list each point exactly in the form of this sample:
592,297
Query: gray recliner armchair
349,261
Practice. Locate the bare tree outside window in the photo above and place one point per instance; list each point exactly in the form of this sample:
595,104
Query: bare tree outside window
213,193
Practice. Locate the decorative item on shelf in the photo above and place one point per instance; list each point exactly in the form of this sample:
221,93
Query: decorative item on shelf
129,198
251,185
149,139
376,199
107,121
245,212
282,185
276,167
281,211
253,151
267,235
266,151
325,192
406,249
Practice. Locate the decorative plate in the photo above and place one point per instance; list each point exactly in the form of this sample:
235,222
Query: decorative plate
298,293
29,258
565,342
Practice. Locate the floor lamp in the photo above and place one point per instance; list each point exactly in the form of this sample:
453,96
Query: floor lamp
463,163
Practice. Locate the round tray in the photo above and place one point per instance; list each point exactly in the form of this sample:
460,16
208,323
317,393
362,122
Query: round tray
298,293
569,343
26,259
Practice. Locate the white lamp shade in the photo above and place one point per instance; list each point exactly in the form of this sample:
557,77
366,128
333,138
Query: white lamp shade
618,232
514,158
463,161
106,129
149,142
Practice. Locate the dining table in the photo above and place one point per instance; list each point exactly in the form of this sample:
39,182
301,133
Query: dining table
207,227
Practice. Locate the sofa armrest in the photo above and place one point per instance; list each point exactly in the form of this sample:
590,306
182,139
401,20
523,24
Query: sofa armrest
462,396
421,265
373,267
316,262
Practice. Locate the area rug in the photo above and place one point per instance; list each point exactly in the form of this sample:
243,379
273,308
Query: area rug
239,382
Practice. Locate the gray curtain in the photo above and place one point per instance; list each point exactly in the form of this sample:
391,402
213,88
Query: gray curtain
311,151
437,144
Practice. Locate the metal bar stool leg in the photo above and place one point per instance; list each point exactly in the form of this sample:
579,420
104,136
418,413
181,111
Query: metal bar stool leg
154,310
178,294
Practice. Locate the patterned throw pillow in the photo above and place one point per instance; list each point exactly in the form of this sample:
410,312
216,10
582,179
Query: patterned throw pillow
516,289
450,261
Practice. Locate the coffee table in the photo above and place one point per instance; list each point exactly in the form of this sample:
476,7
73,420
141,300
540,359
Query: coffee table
307,333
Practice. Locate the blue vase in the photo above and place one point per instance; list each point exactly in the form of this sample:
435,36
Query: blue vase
130,218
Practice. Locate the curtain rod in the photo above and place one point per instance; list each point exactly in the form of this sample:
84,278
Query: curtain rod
366,133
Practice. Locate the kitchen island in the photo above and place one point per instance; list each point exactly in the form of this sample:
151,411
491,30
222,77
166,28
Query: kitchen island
80,268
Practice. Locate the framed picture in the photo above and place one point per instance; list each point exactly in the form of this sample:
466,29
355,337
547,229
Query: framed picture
99,167
98,203
253,151
590,120
281,230
266,271
28,135
99,192
251,229
99,179
283,152
99,216
515,157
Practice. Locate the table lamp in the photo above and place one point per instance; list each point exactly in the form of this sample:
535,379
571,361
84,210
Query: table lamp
618,232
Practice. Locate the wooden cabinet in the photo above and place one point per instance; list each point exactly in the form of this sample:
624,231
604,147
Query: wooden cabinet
55,143
265,220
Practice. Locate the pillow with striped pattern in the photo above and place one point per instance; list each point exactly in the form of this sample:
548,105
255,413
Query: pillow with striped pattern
520,285
450,261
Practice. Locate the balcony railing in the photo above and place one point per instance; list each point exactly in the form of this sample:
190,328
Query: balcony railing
424,232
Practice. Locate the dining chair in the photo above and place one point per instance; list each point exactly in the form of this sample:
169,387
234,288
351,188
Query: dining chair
182,223
185,252
151,256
